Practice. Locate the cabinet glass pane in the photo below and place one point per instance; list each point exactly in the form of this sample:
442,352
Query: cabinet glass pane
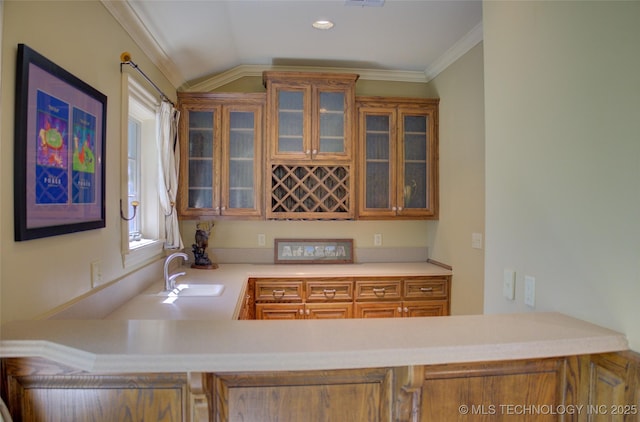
241,135
201,133
415,166
331,122
290,121
377,138
200,174
377,146
200,198
377,189
241,183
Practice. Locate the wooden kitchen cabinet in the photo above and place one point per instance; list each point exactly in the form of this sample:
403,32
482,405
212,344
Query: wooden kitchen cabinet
603,386
221,155
402,297
358,297
316,298
310,136
397,158
310,115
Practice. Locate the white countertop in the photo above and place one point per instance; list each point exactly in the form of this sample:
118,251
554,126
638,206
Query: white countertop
199,334
234,277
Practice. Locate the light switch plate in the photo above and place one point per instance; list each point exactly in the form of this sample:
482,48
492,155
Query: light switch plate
509,284
261,240
96,274
377,239
530,291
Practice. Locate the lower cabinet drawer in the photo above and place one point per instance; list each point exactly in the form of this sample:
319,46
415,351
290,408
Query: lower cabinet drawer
274,291
426,288
378,289
323,291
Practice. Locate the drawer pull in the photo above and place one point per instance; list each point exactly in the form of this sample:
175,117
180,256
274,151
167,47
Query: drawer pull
278,294
426,289
379,291
329,293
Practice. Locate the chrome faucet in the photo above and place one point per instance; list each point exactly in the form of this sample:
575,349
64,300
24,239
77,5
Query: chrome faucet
170,280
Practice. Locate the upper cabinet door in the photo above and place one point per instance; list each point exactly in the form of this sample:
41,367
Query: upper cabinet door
241,164
200,160
310,115
418,167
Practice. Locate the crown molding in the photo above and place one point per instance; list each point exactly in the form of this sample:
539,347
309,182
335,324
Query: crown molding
242,71
459,49
127,18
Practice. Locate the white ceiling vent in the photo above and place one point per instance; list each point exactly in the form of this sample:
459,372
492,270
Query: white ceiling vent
364,3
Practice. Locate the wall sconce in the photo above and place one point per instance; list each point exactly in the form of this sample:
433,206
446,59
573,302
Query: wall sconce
134,205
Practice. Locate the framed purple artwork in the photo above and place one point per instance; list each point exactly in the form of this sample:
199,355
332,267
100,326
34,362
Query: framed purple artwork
60,128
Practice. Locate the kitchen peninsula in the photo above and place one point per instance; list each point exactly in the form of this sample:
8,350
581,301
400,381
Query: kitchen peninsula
192,360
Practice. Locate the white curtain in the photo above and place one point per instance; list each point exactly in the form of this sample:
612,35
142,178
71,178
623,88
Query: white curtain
169,166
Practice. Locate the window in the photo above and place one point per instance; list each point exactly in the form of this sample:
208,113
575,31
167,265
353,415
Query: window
141,234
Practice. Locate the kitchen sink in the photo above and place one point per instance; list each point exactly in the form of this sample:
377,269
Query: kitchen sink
185,289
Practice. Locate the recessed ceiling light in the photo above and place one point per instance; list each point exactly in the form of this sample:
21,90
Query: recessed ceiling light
322,24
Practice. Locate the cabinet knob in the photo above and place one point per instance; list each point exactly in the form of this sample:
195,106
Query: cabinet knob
406,310
301,312
307,312
308,152
394,208
224,208
314,152
399,310
399,208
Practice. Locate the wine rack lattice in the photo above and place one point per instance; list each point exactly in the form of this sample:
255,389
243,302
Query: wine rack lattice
302,189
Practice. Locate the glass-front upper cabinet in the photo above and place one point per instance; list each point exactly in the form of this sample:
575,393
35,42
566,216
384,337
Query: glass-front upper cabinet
311,115
221,155
398,158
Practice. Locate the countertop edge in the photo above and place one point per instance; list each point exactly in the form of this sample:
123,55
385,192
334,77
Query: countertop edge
200,346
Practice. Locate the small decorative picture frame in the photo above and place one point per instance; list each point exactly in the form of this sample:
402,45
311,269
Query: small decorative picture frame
313,251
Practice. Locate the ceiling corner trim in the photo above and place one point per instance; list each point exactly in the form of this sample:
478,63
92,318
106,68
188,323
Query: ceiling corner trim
242,71
127,18
459,49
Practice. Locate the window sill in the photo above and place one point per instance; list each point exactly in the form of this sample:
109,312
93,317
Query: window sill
142,251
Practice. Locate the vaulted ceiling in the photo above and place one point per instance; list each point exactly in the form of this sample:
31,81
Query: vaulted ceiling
197,42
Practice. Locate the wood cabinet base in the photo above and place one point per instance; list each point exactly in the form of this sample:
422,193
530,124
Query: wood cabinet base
575,388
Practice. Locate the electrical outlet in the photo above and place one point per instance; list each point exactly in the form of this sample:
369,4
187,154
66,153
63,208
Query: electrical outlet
509,284
377,239
261,240
530,291
96,274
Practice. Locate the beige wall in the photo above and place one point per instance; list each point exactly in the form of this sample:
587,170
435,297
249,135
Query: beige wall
563,158
460,88
82,37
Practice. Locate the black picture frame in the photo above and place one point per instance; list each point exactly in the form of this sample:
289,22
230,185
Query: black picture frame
59,150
